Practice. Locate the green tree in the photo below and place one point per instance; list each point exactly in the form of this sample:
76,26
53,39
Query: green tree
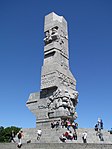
5,133
1,134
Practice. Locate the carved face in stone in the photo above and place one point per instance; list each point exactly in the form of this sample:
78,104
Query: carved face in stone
51,35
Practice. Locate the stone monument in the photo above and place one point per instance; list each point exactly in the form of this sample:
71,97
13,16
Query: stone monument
58,97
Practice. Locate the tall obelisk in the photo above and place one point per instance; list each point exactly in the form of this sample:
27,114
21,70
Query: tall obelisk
58,96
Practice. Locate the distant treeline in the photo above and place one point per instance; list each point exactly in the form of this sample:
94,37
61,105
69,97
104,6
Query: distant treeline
5,133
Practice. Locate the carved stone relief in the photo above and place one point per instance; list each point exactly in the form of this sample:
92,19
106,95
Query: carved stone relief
51,35
58,93
65,80
63,98
48,80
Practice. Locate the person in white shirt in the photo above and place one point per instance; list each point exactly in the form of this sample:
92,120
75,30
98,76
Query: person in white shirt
84,137
39,133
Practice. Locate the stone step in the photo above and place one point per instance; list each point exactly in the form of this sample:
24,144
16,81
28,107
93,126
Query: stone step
56,146
51,135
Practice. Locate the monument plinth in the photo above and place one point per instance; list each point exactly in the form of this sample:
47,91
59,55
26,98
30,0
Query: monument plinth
58,96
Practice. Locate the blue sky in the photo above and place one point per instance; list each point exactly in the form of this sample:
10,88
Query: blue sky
21,57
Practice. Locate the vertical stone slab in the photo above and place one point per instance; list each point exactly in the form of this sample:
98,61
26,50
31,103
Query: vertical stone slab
58,96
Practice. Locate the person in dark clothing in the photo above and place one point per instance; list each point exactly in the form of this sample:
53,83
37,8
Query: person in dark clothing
101,137
57,125
110,131
52,124
12,136
62,123
75,135
96,127
101,124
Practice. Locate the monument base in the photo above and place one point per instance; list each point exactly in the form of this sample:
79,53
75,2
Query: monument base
50,135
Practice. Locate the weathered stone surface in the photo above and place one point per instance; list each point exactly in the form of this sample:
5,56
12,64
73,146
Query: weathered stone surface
58,96
56,146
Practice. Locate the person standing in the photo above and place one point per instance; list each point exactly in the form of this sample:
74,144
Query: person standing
84,137
100,123
75,135
12,136
19,135
39,133
57,125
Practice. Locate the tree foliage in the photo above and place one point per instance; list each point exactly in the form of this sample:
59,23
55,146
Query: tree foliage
5,133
